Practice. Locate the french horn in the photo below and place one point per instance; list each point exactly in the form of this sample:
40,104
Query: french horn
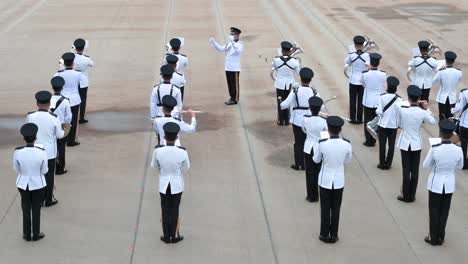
296,50
434,48
369,45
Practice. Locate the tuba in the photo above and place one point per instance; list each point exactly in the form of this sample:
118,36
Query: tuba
297,49
434,48
369,45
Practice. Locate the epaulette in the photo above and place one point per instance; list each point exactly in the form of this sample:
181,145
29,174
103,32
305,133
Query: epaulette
31,112
159,146
382,94
458,69
365,71
345,139
463,89
405,106
183,55
322,140
307,115
66,98
39,148
323,117
18,148
443,68
277,57
156,86
436,145
178,73
61,71
52,114
177,118
176,86
167,54
87,56
181,147
382,70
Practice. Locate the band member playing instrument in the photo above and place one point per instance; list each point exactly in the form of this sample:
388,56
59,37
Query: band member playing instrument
60,105
449,78
373,81
82,63
333,153
286,68
388,110
424,67
410,119
312,125
444,160
178,78
183,62
171,161
165,88
298,98
461,108
233,50
359,61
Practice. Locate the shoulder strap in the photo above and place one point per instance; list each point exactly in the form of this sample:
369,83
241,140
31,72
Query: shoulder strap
358,57
285,62
425,58
390,103
59,102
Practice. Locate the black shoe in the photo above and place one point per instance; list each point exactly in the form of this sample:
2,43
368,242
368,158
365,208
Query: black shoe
177,239
334,239
368,144
429,241
74,144
465,168
311,200
51,203
324,239
165,239
382,167
358,122
296,167
38,237
84,121
61,172
230,102
403,199
27,238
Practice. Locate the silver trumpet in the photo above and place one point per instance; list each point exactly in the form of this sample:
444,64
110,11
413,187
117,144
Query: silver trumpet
296,50
434,48
369,45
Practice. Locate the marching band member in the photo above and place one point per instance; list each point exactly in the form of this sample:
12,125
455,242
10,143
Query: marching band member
449,78
165,88
82,63
333,153
424,67
183,62
171,161
233,51
30,164
49,129
60,105
359,61
169,102
312,125
444,159
461,107
286,68
388,110
71,91
373,81
178,79
298,98
411,118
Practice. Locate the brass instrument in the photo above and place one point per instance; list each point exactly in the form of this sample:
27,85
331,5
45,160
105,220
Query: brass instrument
66,129
297,49
73,49
369,45
434,48
168,45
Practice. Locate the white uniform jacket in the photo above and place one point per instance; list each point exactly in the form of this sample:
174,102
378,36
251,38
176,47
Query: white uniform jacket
72,83
298,98
82,64
182,63
50,129
373,82
30,164
410,120
333,153
449,78
233,52
171,161
159,91
424,67
159,122
444,159
286,68
358,61
460,106
389,118
63,111
312,126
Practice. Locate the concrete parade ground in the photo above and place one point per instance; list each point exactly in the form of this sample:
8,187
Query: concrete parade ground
242,203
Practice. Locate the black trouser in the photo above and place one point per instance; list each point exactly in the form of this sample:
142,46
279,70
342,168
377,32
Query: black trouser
299,139
356,92
464,144
170,212
84,97
444,109
439,207
61,145
312,171
283,115
233,84
410,163
74,124
425,94
369,114
31,202
386,135
330,205
182,92
49,176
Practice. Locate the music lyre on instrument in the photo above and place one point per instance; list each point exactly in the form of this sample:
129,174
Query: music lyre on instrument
369,45
297,49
